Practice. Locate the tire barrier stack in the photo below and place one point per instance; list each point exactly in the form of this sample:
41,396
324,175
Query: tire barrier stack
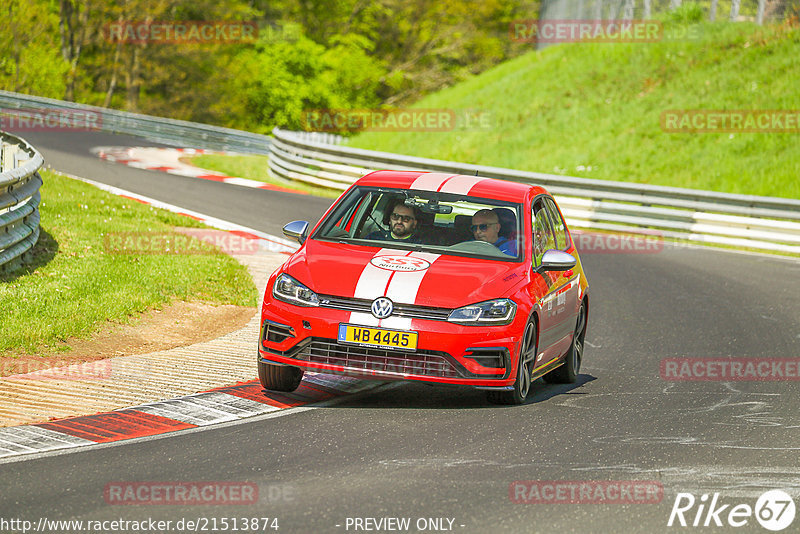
19,200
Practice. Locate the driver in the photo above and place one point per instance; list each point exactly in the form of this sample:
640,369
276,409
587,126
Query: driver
486,227
403,222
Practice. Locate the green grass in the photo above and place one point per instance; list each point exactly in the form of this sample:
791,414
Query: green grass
74,285
254,168
593,110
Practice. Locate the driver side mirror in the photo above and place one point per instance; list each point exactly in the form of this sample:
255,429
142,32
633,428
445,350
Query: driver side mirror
296,230
557,260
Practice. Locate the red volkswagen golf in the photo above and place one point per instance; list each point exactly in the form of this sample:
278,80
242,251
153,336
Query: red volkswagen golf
432,277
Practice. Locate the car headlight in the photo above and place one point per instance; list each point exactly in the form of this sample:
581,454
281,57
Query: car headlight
489,313
290,290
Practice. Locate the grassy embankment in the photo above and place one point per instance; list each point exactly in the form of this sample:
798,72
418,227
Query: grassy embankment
594,110
76,283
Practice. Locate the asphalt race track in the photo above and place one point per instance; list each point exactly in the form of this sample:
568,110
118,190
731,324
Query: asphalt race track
69,153
443,457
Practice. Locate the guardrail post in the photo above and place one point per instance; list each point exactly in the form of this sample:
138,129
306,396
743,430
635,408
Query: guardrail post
7,159
19,158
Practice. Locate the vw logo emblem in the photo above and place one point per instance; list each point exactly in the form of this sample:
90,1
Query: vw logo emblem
382,307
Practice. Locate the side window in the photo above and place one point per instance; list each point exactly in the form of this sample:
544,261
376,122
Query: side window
559,228
346,219
353,218
542,233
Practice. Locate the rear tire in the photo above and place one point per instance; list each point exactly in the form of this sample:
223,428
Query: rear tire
279,377
568,373
522,385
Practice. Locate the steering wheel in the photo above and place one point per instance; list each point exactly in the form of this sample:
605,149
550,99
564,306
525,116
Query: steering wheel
478,247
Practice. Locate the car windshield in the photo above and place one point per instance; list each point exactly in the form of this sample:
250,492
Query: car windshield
430,221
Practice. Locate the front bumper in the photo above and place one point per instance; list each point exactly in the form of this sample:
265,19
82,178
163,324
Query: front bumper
447,353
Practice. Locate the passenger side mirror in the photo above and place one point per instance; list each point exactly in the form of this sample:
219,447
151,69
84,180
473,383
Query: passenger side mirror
557,260
296,230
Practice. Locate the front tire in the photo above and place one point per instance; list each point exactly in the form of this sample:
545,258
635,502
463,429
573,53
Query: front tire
568,373
279,377
522,385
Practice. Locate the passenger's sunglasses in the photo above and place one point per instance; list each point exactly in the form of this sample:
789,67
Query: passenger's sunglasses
483,227
404,218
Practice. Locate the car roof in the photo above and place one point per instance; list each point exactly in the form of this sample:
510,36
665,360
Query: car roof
477,186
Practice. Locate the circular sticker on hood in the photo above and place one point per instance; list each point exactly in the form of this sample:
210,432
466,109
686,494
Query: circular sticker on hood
406,264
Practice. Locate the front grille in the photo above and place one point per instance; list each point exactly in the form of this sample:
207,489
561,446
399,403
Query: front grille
424,363
400,310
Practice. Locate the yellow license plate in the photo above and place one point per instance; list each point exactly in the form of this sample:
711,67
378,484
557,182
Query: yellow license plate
377,337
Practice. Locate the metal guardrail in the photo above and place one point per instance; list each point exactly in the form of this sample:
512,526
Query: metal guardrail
159,129
19,200
764,223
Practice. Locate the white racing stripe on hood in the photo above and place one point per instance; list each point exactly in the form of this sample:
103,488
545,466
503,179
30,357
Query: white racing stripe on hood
404,286
373,280
398,323
372,284
430,181
364,319
461,185
401,287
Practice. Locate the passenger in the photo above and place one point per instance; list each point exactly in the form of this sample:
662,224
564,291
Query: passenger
402,222
486,227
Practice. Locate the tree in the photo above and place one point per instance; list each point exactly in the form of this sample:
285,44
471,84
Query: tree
627,10
735,10
30,61
73,27
277,82
371,53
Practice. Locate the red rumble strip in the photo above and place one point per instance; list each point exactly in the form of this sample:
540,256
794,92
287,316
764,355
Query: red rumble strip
224,404
115,426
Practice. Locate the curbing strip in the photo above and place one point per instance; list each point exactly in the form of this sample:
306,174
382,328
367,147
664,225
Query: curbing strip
167,160
221,405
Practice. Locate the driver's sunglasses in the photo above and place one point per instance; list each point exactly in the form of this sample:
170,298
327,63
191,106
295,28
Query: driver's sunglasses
482,227
404,218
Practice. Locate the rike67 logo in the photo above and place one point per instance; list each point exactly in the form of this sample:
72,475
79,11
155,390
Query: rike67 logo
774,510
